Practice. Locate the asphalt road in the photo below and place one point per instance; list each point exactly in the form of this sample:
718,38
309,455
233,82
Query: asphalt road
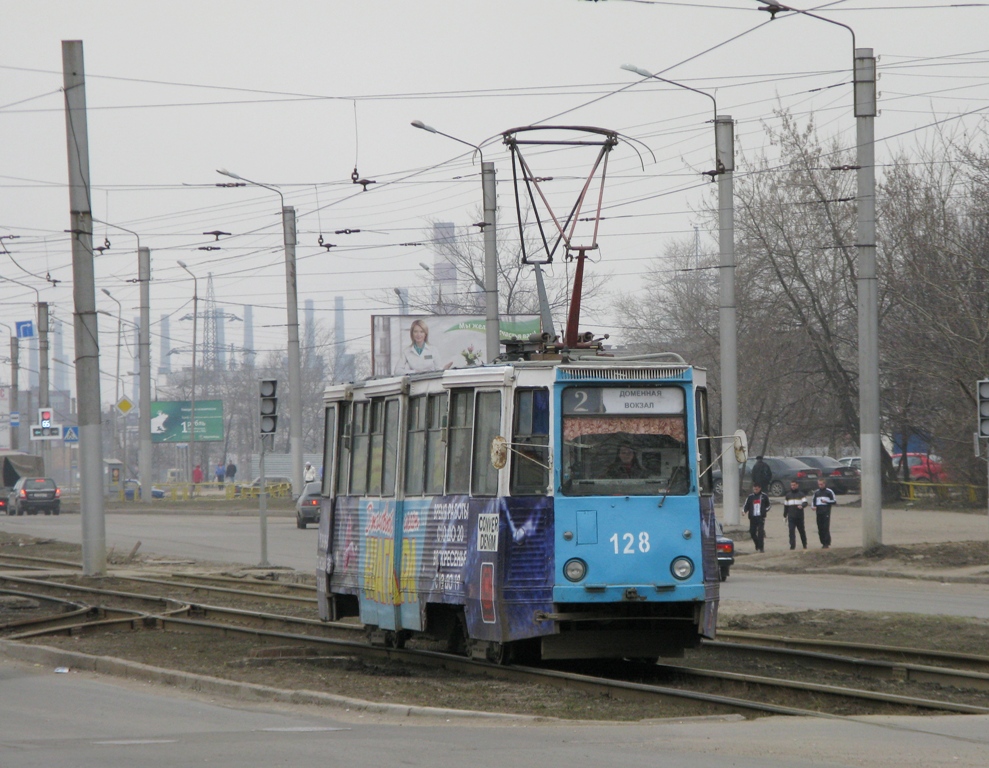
82,721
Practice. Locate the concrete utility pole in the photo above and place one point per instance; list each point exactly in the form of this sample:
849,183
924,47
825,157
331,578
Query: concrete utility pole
724,136
144,352
492,322
84,320
868,300
192,403
15,370
44,394
294,356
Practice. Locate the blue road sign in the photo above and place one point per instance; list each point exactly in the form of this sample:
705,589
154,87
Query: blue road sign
25,329
15,418
70,434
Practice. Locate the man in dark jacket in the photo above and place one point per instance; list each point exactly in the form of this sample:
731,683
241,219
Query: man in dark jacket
762,475
824,499
795,504
756,507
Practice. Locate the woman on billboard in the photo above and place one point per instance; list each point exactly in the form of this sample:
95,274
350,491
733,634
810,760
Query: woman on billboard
418,357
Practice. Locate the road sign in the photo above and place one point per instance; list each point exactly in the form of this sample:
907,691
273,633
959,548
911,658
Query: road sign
125,405
25,329
15,418
70,434
170,421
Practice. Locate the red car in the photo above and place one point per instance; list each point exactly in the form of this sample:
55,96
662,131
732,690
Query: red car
923,468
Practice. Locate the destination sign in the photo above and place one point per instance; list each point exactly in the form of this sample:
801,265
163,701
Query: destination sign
623,401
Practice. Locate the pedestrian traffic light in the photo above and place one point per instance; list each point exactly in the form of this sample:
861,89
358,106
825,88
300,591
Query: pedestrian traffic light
983,393
269,406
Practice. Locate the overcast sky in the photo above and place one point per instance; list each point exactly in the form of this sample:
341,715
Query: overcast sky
295,94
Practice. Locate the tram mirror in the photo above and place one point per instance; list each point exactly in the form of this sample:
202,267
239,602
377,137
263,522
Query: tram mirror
499,452
741,446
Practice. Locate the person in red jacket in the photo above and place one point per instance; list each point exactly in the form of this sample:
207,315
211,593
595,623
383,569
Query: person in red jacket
197,475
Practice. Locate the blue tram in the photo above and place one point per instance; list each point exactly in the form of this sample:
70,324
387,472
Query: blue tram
554,509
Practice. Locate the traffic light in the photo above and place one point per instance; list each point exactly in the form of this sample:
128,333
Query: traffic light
269,406
983,392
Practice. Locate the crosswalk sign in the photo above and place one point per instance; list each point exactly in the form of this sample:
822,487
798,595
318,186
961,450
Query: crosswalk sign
70,435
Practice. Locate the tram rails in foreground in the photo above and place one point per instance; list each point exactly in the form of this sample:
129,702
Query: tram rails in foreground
638,681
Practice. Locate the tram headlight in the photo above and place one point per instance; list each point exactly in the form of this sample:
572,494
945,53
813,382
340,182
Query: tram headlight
575,569
682,568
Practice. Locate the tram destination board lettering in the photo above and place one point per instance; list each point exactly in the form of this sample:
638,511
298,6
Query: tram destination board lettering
622,401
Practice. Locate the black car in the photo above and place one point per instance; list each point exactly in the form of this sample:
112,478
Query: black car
784,471
308,506
726,553
34,495
841,478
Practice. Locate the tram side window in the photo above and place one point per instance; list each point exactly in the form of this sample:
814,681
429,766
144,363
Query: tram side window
704,447
329,444
487,425
359,448
415,447
377,465
343,455
530,436
461,432
390,468
436,420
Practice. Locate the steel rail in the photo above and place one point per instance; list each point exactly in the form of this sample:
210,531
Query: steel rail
32,560
876,668
219,590
969,660
831,690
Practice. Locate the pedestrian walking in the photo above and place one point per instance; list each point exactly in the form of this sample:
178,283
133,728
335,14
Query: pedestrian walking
756,507
231,471
824,499
762,475
795,503
310,473
221,473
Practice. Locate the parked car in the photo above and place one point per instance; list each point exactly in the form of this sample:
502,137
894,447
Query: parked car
923,468
784,470
726,552
308,506
132,488
3,502
841,479
851,461
33,495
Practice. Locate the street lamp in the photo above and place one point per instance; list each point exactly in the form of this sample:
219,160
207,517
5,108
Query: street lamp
116,390
292,311
43,393
724,158
192,408
144,355
403,299
870,444
489,225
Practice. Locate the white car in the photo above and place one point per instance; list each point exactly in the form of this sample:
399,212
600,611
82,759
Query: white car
851,461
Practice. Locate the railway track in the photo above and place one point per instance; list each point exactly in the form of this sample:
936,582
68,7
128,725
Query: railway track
714,689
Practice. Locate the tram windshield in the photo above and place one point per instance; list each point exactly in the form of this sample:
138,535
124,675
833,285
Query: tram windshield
624,441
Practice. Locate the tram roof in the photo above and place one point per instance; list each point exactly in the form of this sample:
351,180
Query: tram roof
577,368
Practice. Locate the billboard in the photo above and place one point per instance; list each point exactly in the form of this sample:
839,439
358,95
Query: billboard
170,421
402,344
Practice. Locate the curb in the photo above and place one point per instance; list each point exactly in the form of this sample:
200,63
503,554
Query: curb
108,665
